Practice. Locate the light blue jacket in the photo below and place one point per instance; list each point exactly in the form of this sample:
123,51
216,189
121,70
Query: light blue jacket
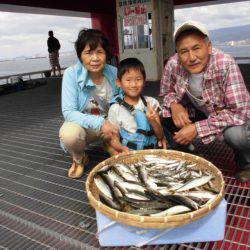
76,86
144,137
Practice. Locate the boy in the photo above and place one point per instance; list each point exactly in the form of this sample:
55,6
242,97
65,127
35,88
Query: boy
135,115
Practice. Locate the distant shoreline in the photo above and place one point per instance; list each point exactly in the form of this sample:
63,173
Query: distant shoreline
31,58
23,58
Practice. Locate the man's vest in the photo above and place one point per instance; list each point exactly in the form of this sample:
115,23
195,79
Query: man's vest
144,137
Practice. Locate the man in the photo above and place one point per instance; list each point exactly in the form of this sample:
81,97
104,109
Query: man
204,95
53,49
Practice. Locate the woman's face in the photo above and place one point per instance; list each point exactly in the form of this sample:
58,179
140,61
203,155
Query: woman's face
94,60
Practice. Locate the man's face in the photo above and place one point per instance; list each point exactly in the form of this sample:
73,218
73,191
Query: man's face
194,52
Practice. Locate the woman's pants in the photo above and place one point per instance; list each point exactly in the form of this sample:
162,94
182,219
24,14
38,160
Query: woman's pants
74,139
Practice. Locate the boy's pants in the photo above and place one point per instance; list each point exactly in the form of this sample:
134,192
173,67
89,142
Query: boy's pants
237,137
75,138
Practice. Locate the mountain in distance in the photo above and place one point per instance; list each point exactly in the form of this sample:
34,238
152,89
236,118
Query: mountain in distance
225,35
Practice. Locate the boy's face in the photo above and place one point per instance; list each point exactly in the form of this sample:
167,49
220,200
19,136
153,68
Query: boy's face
132,83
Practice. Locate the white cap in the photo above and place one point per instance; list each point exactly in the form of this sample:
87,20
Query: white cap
190,25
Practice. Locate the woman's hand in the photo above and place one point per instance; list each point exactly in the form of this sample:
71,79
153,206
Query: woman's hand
179,115
117,146
110,130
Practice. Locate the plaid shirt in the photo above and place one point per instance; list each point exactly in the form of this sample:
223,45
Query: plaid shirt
224,93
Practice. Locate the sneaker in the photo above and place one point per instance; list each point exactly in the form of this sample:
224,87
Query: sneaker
76,170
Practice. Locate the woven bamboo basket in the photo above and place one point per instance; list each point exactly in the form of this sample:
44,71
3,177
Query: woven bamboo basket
155,222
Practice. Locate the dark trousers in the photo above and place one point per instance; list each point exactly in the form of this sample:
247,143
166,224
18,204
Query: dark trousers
237,137
170,128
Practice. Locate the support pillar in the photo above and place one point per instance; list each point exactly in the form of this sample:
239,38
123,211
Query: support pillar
107,24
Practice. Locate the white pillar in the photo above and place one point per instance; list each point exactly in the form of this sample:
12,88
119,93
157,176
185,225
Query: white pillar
136,19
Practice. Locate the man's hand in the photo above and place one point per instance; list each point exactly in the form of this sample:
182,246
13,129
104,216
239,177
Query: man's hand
186,134
179,115
109,129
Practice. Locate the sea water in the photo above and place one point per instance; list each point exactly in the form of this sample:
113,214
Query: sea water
42,64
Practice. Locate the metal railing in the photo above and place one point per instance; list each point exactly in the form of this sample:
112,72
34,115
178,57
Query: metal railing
10,79
242,58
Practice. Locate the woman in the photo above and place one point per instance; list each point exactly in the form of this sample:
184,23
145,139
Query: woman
87,88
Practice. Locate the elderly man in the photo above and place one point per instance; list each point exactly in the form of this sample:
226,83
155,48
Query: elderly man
204,96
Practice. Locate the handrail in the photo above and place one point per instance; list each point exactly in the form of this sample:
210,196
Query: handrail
43,71
242,58
27,74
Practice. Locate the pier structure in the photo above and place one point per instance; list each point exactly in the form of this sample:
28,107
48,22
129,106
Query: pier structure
40,207
138,28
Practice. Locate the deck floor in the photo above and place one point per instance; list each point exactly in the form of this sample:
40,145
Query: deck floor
40,208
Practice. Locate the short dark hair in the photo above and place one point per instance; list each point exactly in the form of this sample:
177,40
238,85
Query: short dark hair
93,38
130,63
189,32
50,33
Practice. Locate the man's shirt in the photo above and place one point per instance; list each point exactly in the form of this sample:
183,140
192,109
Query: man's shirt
224,93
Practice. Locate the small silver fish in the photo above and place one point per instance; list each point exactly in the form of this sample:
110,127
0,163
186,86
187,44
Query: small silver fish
195,183
102,186
179,209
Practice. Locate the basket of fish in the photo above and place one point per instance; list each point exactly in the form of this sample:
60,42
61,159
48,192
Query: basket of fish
155,188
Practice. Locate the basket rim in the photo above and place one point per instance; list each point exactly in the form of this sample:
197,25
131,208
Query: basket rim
156,221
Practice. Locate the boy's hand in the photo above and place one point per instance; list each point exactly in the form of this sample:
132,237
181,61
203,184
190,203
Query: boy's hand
152,114
163,143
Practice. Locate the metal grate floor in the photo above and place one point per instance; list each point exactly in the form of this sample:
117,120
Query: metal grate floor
40,208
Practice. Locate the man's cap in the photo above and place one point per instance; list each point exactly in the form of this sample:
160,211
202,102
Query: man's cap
188,26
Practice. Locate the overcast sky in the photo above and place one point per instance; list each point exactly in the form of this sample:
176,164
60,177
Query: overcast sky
216,16
26,34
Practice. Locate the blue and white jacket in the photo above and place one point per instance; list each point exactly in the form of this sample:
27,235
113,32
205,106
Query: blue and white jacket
144,137
76,87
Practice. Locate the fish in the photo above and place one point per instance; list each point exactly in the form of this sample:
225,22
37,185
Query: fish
182,200
199,195
133,186
104,169
144,211
151,204
157,159
128,176
102,186
109,202
179,209
195,183
155,186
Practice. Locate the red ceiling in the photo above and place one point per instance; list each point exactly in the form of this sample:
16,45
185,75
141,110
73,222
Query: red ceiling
92,6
